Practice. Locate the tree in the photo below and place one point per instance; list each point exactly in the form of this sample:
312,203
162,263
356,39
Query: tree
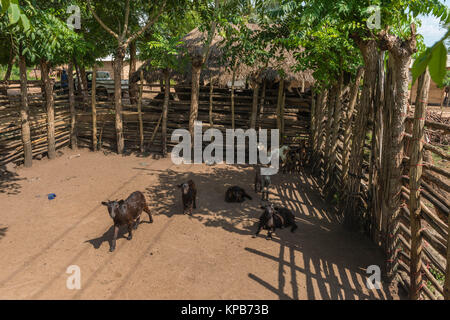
124,38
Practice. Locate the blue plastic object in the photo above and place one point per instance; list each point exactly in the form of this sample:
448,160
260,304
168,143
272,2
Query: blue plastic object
51,196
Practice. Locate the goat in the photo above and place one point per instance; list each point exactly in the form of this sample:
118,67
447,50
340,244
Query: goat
275,217
188,195
127,212
236,194
262,183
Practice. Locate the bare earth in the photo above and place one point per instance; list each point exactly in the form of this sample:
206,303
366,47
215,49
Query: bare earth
210,255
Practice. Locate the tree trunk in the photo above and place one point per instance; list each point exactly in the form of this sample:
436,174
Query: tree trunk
94,110
49,102
133,90
254,105
165,111
73,114
348,126
415,173
396,106
12,60
84,87
120,54
196,69
24,111
77,69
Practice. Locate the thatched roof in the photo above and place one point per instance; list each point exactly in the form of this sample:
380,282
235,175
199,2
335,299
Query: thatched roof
216,70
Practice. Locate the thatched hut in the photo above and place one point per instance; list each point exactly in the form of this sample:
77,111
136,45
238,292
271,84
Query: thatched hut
216,70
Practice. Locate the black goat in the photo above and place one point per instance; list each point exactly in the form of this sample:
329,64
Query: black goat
275,217
127,212
189,196
236,194
262,183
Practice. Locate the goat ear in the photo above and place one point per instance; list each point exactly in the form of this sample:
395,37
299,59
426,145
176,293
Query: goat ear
104,203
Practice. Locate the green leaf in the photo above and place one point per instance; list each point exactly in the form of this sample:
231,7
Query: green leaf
5,6
438,63
420,64
24,22
13,13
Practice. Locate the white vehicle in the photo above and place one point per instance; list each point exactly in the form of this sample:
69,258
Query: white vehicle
104,84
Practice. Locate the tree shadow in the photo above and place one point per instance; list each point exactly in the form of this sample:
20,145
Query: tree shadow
9,181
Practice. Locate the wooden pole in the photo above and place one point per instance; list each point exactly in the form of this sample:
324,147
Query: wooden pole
254,105
94,109
139,107
261,104
24,111
165,112
232,99
73,114
415,174
313,120
348,126
49,101
279,103
447,270
211,91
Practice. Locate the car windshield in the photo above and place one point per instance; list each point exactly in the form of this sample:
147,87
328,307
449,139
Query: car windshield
103,75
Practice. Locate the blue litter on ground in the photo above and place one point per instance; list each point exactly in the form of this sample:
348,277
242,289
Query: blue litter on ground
51,196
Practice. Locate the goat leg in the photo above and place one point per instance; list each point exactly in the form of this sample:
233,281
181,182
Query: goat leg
147,210
130,231
113,242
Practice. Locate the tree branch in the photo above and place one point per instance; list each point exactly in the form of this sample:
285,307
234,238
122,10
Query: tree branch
101,22
150,23
127,15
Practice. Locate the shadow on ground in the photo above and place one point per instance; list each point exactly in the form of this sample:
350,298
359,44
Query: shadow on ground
334,259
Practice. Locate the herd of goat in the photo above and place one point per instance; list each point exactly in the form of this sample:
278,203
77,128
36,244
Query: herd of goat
128,212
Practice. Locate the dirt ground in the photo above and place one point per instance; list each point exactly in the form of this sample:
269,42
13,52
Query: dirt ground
210,255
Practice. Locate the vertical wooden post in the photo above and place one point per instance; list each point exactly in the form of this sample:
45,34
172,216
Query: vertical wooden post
165,111
313,120
49,101
415,174
73,114
254,105
94,109
139,107
24,110
211,92
447,270
232,99
279,103
283,103
348,125
336,126
261,104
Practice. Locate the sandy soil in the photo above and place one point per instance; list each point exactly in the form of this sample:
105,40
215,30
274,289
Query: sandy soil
210,255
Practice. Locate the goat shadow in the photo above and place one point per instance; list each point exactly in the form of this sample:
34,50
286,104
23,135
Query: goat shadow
3,232
108,235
